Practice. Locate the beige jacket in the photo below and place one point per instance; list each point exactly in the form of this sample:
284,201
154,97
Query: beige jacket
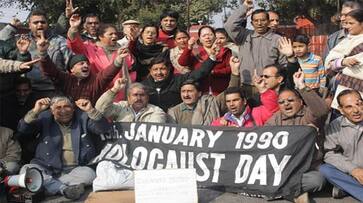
122,112
9,66
9,148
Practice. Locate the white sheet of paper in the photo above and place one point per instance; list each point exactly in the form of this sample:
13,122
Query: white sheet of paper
167,185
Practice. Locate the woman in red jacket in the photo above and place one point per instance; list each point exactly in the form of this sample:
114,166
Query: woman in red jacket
217,81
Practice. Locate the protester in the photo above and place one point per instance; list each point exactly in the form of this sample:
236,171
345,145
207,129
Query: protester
240,114
100,54
128,27
310,63
10,151
91,27
343,146
217,81
9,71
181,38
341,34
198,109
164,86
42,86
223,40
168,28
135,109
258,47
294,112
145,48
80,82
65,145
274,21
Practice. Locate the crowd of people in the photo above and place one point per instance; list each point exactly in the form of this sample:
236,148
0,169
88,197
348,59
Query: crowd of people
61,85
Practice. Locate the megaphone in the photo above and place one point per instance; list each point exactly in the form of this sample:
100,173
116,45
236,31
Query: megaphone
32,180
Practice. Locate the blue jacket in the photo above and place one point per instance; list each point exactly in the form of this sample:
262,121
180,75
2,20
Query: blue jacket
48,153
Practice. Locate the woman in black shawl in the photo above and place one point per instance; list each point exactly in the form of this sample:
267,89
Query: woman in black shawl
145,49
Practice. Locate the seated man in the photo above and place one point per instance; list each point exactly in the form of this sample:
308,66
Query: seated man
344,147
80,82
294,112
198,109
65,145
136,108
240,114
10,151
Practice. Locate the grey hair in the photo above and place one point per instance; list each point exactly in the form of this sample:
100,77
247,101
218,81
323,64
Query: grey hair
56,99
139,86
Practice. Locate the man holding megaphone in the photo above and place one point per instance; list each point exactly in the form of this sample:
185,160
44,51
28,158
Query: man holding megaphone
65,144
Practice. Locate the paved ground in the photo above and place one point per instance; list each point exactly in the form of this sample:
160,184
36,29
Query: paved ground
219,197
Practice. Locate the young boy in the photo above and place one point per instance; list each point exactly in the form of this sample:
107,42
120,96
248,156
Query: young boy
311,64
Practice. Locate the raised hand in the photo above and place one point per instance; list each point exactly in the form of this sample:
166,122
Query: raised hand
27,65
248,4
69,8
299,79
15,22
42,43
41,105
23,44
285,47
75,21
234,62
191,42
121,54
119,84
258,82
84,104
350,62
132,33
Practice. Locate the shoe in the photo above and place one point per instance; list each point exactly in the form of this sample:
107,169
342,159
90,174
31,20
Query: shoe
338,193
73,192
303,198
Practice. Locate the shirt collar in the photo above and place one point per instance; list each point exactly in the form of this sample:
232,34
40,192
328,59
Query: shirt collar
310,57
185,107
347,123
267,35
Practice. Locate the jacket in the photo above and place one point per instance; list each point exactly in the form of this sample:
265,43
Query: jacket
167,38
9,148
57,51
91,87
343,134
207,109
217,81
166,93
48,152
256,116
123,112
255,52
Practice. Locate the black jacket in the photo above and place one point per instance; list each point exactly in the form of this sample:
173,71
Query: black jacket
166,93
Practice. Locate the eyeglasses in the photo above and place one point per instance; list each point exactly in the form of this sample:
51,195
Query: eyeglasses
268,76
288,100
40,21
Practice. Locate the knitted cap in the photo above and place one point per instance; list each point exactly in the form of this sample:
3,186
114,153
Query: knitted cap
75,59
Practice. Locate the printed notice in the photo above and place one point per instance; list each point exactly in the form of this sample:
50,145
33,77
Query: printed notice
167,185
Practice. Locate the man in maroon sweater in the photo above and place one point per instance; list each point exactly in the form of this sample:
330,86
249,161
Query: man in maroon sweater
80,82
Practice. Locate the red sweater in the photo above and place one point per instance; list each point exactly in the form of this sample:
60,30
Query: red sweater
219,78
259,114
90,88
166,38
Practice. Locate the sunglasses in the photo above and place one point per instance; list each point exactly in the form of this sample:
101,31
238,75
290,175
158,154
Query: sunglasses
40,21
288,100
268,76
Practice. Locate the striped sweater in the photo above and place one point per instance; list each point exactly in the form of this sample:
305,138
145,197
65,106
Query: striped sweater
314,71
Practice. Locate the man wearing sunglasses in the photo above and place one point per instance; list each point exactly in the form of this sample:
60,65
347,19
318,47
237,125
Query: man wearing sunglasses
294,112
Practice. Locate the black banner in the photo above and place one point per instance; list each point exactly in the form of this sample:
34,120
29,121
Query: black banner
264,161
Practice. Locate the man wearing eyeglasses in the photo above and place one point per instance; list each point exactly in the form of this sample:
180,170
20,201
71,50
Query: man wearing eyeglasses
294,112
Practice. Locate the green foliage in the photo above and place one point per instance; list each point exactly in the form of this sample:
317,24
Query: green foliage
319,11
116,11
